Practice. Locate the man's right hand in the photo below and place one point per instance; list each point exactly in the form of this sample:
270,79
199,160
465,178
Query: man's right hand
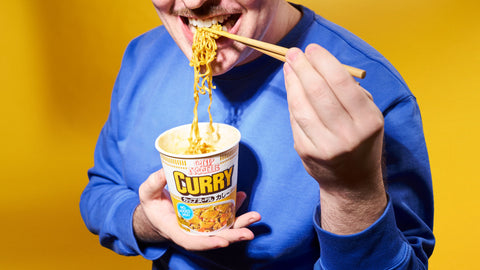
154,220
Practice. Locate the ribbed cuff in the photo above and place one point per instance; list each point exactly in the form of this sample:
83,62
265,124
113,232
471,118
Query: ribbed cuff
380,246
124,227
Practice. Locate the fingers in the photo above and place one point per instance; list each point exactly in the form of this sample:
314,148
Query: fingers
366,118
309,94
349,93
153,187
192,242
246,219
237,233
301,110
160,213
326,104
241,196
331,69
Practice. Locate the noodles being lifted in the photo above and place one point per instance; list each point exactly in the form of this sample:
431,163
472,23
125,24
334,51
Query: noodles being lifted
203,53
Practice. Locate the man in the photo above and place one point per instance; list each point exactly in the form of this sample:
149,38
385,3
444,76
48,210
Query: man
331,176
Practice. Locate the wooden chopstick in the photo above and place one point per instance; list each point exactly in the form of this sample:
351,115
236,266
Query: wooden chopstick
275,51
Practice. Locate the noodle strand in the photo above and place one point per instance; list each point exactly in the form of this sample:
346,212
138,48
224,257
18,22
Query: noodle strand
204,49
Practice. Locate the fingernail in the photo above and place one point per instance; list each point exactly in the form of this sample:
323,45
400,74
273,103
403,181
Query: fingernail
287,69
253,219
311,48
292,54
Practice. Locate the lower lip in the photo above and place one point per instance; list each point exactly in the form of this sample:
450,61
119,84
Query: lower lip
186,30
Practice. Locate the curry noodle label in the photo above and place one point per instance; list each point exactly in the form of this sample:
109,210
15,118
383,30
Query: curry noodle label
203,187
203,190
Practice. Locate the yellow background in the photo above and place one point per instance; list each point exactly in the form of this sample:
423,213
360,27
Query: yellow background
58,62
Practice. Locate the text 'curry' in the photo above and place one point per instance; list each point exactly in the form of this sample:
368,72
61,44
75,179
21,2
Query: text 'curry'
203,185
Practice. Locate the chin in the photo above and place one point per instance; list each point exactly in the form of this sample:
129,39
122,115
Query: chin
221,68
228,58
223,63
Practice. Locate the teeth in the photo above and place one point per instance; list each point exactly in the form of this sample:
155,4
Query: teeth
208,22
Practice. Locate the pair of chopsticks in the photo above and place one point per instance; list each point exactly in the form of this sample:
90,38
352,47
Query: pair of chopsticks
275,51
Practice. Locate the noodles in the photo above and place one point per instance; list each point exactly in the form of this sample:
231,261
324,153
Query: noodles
203,53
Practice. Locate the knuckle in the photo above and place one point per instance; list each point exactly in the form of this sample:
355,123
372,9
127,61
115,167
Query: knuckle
308,157
295,104
303,120
380,122
141,191
319,89
376,123
341,80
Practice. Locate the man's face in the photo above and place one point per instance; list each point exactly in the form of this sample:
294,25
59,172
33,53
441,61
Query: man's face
249,18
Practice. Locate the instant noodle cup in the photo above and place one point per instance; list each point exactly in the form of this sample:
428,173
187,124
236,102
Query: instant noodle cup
202,186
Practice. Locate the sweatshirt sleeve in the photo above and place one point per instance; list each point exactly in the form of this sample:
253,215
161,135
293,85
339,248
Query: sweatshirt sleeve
108,202
402,238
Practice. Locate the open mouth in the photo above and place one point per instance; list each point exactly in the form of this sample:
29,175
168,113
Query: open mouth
226,21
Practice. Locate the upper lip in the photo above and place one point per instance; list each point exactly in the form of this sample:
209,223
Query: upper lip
205,17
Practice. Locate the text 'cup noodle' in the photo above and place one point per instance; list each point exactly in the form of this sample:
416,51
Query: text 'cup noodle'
202,186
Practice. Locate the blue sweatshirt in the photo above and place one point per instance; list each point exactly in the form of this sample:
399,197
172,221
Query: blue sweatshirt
153,93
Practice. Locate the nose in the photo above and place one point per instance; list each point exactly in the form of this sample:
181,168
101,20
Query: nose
194,4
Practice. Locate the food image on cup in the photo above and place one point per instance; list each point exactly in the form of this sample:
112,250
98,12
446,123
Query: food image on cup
202,186
208,218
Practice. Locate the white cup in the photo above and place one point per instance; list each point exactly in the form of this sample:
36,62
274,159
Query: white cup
202,186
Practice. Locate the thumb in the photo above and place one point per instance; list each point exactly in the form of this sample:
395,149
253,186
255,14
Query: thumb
153,187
